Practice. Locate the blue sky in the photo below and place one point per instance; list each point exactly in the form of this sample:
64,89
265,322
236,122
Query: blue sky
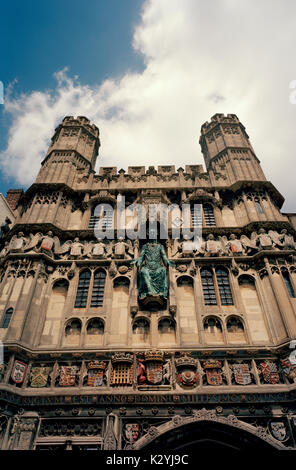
148,73
92,38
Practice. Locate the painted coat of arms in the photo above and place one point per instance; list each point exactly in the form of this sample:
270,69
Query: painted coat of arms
131,432
270,372
154,372
187,375
213,371
96,373
18,372
39,376
242,374
67,376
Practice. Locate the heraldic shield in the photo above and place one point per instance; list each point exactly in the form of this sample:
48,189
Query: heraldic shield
96,373
18,372
186,365
154,372
67,376
39,376
213,371
131,432
242,374
270,372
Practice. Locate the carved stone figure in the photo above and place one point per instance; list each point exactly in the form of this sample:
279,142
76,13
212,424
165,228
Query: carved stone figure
234,245
47,243
186,248
18,242
141,372
122,249
212,247
76,248
99,249
167,372
264,241
287,240
152,280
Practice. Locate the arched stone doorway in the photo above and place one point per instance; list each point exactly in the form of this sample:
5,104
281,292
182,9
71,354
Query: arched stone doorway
205,430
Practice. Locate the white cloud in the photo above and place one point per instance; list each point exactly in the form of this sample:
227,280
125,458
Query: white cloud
200,58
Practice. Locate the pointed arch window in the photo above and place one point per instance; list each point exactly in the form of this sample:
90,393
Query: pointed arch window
209,217
97,297
208,287
196,215
288,283
82,290
224,286
105,217
7,318
259,207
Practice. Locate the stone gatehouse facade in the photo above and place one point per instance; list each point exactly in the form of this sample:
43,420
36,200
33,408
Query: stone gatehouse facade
87,365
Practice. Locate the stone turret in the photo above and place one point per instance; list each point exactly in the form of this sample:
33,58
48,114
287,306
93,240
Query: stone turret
226,148
74,146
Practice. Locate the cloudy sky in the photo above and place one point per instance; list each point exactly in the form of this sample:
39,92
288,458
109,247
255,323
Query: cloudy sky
149,73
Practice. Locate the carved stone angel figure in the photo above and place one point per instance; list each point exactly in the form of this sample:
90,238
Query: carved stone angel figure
97,249
264,240
186,248
234,246
212,247
123,249
77,248
287,240
18,242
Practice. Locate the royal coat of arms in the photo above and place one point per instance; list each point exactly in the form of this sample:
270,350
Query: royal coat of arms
270,372
67,376
39,376
131,432
154,372
213,371
242,374
18,372
186,366
96,373
278,430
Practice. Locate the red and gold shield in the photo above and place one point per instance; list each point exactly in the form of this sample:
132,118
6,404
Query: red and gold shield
67,376
154,372
214,376
270,372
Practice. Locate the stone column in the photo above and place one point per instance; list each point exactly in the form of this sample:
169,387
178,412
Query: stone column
282,299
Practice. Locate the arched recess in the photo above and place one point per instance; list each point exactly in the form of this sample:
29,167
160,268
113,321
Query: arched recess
187,315
213,330
205,430
250,298
235,330
141,331
72,332
95,331
166,331
54,313
119,320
